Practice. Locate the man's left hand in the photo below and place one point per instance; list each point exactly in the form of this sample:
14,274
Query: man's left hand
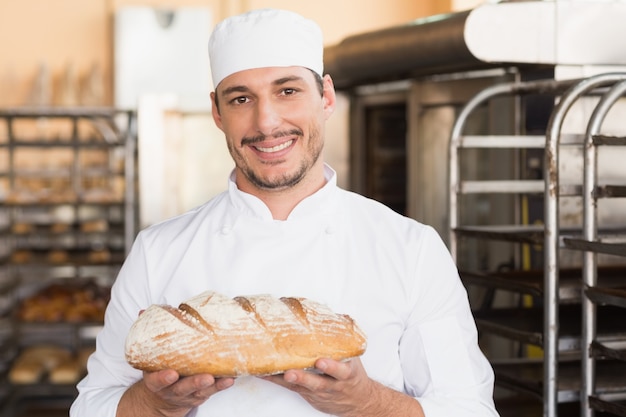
342,388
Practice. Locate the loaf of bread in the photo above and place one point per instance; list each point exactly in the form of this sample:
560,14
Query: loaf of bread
255,335
26,372
21,256
92,226
35,361
58,256
22,228
67,372
59,227
99,256
72,369
82,301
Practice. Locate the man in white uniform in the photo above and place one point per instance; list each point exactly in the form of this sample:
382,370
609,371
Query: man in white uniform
284,228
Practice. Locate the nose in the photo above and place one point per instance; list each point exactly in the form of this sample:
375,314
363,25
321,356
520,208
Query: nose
268,116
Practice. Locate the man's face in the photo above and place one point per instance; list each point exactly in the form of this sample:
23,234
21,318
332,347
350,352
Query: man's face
273,119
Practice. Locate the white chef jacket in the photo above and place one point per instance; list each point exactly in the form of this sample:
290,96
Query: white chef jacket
391,274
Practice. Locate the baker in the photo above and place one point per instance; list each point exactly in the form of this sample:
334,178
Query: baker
283,227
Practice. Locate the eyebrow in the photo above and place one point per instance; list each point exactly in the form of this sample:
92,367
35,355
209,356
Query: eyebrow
244,89
234,89
284,80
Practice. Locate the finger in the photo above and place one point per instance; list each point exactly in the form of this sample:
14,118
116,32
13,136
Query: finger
312,381
195,385
289,379
335,369
219,385
276,379
156,381
223,383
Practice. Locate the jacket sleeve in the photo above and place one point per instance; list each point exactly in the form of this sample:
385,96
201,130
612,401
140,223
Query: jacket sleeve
109,375
444,368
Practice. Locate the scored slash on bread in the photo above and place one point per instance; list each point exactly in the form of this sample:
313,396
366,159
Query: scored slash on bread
252,335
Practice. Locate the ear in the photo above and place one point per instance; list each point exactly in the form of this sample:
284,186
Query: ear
329,96
216,112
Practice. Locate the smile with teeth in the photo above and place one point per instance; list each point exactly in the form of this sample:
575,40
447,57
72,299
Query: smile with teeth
275,148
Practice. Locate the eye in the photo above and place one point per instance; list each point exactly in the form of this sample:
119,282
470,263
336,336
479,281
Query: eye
289,91
240,100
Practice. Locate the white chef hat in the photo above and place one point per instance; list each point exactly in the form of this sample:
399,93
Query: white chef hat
265,38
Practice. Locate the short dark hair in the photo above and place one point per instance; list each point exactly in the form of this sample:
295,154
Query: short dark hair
318,80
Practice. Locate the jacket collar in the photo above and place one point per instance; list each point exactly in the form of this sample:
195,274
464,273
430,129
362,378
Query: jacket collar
321,202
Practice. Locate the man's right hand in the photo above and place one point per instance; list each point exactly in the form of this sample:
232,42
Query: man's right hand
165,393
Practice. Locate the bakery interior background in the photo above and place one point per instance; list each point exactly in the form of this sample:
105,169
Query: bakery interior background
88,55
74,52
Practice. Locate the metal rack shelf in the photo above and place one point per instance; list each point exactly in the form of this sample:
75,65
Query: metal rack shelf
616,407
595,351
66,221
526,324
526,376
19,396
608,296
557,324
530,282
530,234
608,248
609,349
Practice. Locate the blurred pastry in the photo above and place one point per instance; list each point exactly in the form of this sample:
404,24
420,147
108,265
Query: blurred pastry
57,303
98,225
99,256
59,227
21,256
67,372
26,372
22,228
58,256
35,361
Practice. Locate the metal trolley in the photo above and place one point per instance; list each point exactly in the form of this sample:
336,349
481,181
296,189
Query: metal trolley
554,322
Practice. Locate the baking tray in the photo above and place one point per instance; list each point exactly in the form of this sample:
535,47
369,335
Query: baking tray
527,376
532,282
526,325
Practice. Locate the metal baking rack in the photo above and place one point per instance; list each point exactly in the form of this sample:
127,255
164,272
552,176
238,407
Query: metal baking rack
68,215
545,313
597,351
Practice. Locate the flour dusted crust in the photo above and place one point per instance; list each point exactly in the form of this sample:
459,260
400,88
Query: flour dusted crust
253,335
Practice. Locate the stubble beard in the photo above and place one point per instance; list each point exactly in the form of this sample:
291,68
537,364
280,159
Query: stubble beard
288,179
